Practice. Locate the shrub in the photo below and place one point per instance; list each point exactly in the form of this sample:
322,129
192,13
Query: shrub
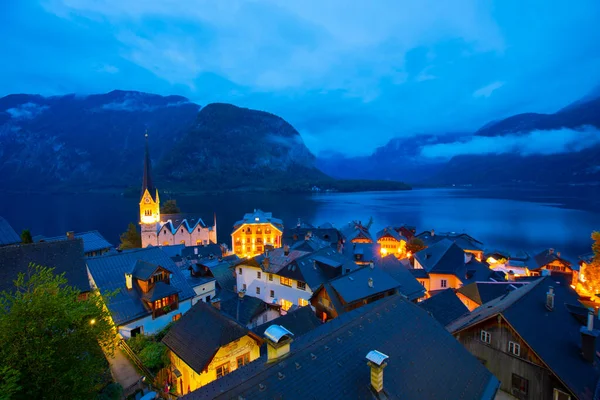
139,342
153,356
113,391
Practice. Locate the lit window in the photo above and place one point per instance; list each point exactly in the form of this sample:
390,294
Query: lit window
286,304
444,283
272,294
514,348
301,285
271,277
302,302
176,317
520,385
258,275
257,290
285,281
486,337
560,395
222,370
243,360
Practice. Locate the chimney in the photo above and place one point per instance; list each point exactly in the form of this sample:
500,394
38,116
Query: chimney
588,338
278,342
70,235
432,233
195,250
558,254
376,360
128,281
370,282
550,298
286,250
216,303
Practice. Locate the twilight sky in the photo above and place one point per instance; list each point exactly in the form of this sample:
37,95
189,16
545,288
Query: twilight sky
348,75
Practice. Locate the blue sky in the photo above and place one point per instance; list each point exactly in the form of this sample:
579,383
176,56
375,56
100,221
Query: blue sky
348,75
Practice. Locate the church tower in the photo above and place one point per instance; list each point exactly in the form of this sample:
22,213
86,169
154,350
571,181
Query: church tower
149,204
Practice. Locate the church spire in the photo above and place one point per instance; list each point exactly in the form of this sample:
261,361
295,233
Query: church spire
147,182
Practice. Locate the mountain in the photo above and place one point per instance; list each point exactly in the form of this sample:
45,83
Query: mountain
80,143
526,148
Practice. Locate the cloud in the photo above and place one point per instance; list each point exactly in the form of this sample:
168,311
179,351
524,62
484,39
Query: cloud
532,143
487,90
26,111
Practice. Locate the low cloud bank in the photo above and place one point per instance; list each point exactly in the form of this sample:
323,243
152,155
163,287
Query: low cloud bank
532,143
26,111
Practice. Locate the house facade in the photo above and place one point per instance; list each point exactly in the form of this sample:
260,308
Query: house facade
255,232
391,242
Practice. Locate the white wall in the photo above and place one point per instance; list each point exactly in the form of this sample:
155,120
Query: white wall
150,326
204,290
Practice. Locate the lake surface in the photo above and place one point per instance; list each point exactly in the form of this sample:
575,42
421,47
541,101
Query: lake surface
509,219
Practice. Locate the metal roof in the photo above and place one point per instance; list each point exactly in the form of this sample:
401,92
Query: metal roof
92,240
276,332
376,357
7,233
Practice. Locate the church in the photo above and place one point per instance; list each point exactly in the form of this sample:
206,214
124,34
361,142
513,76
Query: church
169,229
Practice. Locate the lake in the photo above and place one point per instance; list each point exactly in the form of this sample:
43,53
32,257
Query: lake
510,219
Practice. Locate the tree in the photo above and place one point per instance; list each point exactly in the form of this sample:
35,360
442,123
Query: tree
170,207
591,272
50,341
26,236
415,245
131,238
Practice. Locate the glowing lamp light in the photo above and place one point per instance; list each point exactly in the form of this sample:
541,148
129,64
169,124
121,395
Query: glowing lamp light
491,260
92,321
383,252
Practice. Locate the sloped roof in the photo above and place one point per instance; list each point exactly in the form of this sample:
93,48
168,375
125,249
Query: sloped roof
143,269
546,257
462,240
553,335
199,334
108,272
400,272
7,233
444,257
299,322
482,292
242,310
293,235
329,362
355,285
65,257
318,267
445,306
353,230
389,231
92,240
259,217
159,291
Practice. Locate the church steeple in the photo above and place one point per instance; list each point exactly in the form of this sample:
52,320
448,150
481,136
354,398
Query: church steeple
147,182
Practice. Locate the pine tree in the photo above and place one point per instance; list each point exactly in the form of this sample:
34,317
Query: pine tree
131,238
170,207
26,237
591,272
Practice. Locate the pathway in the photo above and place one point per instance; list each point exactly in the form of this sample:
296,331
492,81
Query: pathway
122,369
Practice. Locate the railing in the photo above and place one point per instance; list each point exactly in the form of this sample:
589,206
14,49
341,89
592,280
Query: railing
136,360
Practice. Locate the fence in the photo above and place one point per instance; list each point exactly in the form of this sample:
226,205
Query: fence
136,360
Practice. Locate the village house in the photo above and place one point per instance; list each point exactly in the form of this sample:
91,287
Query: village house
475,294
65,257
206,345
247,310
448,266
8,236
356,232
538,340
150,289
445,307
94,244
466,242
387,349
255,232
288,276
551,261
300,320
355,289
400,271
391,242
325,232
168,229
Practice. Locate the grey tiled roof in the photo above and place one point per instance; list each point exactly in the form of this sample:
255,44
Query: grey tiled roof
389,231
409,285
546,257
92,240
108,272
299,322
482,292
143,269
445,306
297,234
243,310
199,334
65,257
354,230
553,335
462,240
355,285
329,361
7,233
263,217
159,291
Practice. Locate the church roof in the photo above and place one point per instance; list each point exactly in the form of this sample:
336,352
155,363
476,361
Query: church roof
147,181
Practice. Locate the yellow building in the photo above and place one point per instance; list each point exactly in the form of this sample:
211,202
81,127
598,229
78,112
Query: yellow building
391,242
255,231
205,345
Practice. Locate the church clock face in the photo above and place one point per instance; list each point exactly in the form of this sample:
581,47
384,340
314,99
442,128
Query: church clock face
146,200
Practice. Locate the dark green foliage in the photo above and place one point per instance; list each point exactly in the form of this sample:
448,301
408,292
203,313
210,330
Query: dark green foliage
415,245
163,332
169,207
131,238
153,355
26,237
139,342
50,340
113,391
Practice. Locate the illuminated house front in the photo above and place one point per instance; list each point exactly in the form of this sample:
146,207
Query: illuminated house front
254,232
205,345
391,242
168,230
